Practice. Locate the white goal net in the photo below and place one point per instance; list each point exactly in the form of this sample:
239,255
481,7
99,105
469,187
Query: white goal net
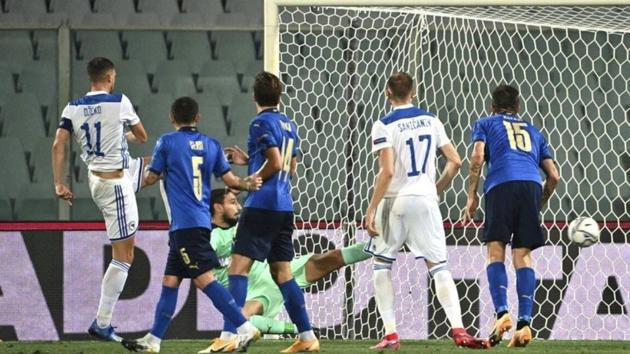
572,67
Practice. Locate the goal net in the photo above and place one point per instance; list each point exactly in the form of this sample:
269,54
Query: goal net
572,67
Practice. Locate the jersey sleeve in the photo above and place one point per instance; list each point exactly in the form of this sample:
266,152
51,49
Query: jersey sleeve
221,165
65,122
262,133
442,138
158,160
478,132
380,137
127,113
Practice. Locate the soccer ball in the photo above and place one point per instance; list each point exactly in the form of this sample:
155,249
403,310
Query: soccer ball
584,231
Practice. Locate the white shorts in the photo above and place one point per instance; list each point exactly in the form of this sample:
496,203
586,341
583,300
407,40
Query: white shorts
116,199
414,221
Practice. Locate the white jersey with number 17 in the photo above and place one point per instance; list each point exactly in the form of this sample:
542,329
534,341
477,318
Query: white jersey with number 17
98,122
414,134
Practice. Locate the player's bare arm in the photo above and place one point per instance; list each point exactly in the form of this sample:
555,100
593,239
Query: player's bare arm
273,164
552,180
453,164
250,183
383,179
137,134
58,161
476,163
150,178
236,155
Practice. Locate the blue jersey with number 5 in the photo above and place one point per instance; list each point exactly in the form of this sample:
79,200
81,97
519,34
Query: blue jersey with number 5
187,159
514,151
272,129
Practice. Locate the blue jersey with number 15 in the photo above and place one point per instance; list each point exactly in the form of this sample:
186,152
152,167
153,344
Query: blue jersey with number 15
514,151
271,129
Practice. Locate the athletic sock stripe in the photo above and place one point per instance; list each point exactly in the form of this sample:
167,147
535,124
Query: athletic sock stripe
437,268
382,266
120,264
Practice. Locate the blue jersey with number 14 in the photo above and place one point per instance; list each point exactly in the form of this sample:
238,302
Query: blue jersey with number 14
514,151
271,129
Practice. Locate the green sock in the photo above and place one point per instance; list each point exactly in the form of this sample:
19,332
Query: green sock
271,326
353,254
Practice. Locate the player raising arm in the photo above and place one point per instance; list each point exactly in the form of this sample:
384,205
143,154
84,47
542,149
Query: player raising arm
187,159
98,122
404,207
515,150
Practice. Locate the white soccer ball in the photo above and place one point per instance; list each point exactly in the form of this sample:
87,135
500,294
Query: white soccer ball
584,231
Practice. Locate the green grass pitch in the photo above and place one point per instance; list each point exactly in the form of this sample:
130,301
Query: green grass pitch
333,347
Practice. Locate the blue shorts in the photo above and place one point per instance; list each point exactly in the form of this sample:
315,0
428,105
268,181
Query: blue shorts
513,214
190,253
265,235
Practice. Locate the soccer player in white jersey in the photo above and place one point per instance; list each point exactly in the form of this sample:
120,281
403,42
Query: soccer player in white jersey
404,207
98,122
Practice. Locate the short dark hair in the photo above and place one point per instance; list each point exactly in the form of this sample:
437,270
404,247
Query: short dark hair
505,97
217,196
267,89
400,85
98,67
184,110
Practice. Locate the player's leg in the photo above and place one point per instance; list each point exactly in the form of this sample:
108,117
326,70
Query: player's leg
117,202
426,239
320,265
497,233
527,237
385,248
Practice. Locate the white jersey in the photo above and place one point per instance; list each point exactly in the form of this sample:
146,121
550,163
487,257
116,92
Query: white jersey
98,122
414,134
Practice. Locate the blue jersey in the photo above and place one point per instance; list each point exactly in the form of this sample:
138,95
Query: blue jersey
514,149
270,129
187,159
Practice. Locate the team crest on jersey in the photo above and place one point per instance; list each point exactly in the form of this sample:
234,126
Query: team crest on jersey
132,226
196,145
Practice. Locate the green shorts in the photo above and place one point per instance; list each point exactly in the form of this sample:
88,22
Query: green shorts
265,290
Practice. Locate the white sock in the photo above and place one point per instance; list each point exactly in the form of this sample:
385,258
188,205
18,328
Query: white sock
384,294
446,293
113,284
246,328
153,340
307,335
227,335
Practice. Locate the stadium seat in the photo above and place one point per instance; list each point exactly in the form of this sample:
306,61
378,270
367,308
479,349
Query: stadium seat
224,88
134,86
40,78
252,69
129,67
30,8
37,202
83,207
212,122
45,42
146,149
191,46
239,115
18,43
80,83
15,170
206,98
235,46
192,20
99,43
160,210
118,8
174,77
23,119
149,47
234,20
211,7
165,9
154,111
72,8
40,161
6,210
7,85
143,20
252,9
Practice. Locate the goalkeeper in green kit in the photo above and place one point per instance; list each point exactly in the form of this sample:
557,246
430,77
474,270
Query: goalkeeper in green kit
264,300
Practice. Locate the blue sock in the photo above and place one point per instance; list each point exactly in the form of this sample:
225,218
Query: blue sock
224,303
164,311
498,282
294,303
525,287
238,289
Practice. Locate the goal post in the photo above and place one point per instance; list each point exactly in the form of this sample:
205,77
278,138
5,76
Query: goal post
571,63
